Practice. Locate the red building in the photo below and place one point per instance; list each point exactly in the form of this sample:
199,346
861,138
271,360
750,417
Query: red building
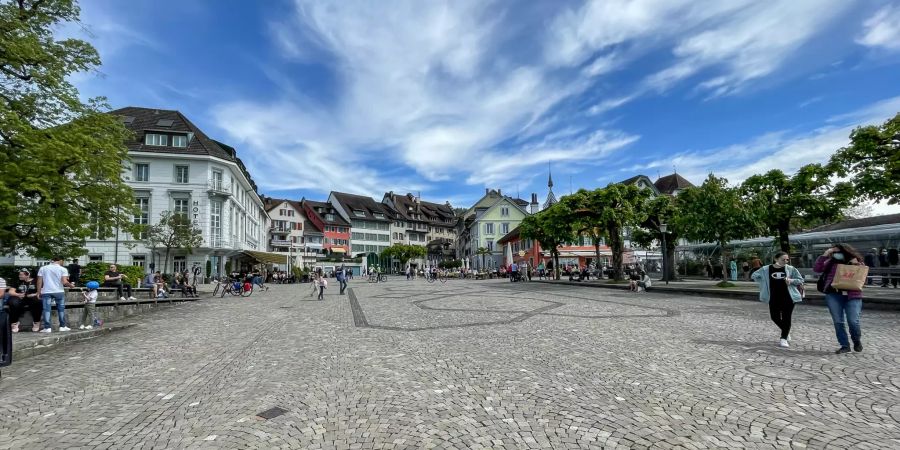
336,230
581,253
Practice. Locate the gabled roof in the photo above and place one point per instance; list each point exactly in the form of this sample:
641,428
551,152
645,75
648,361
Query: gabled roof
671,183
143,120
506,200
271,203
366,205
322,208
637,179
405,205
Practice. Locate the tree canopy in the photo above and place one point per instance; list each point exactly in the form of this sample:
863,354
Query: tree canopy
872,161
60,158
403,252
551,227
173,232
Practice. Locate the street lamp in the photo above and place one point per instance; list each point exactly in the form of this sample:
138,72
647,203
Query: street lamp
662,229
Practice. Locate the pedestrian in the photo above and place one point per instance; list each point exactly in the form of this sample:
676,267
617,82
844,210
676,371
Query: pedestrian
408,274
116,279
540,269
89,312
514,272
5,330
746,267
24,298
845,306
732,268
779,287
323,283
149,282
894,261
871,261
755,264
315,284
884,264
196,270
342,279
52,280
74,271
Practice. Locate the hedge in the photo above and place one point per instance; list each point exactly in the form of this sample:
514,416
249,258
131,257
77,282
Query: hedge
95,270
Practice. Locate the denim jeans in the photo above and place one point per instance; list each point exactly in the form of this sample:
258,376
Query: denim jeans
60,308
841,307
343,283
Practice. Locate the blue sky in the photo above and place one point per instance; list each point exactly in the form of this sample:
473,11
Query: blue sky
447,98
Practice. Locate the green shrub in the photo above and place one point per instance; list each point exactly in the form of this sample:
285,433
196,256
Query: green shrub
95,270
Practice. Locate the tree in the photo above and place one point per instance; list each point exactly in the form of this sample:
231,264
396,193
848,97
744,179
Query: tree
612,209
551,227
786,202
483,251
586,224
660,210
716,212
403,252
858,211
60,158
872,160
174,231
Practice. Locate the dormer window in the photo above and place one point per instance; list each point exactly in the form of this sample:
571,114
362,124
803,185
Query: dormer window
379,216
179,140
160,140
359,213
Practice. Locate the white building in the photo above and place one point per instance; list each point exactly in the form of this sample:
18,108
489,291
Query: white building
175,167
370,224
292,235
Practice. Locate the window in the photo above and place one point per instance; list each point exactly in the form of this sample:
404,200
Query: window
143,215
329,217
379,216
142,172
179,141
488,228
156,139
180,206
359,213
504,211
138,260
179,264
215,221
95,258
217,180
490,245
504,228
181,174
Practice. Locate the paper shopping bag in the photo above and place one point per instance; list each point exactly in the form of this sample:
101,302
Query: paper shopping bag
850,278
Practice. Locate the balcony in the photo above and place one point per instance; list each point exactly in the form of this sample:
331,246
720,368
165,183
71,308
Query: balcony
218,242
218,187
280,243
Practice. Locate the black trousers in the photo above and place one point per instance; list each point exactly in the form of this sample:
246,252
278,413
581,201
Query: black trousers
781,311
18,306
121,289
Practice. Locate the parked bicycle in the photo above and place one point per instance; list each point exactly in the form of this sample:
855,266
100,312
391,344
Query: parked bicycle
234,287
442,276
377,278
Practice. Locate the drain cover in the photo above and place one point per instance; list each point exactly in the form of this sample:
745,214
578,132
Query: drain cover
272,413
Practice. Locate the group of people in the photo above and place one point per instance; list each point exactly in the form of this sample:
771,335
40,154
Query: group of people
37,294
782,287
320,281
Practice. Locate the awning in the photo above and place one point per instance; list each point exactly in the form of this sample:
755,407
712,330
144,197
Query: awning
266,257
338,250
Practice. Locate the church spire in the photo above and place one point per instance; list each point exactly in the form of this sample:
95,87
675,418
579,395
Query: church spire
549,176
551,199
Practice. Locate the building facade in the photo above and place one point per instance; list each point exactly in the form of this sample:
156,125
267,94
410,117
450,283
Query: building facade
175,167
427,224
482,225
334,229
370,222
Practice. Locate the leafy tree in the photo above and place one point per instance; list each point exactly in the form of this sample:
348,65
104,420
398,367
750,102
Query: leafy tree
403,252
612,209
551,227
716,212
483,251
60,158
586,224
174,231
660,210
805,198
872,160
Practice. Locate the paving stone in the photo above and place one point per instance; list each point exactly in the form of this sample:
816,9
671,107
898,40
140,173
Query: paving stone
466,364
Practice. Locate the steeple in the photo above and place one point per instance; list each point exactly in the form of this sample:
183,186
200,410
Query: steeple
551,199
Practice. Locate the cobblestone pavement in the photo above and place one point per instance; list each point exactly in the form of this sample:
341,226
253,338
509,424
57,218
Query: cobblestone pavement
466,364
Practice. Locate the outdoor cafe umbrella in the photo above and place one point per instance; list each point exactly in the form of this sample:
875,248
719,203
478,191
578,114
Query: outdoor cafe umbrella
509,255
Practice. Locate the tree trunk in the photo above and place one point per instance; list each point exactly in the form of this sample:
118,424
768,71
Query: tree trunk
615,241
671,274
784,240
597,261
555,254
166,261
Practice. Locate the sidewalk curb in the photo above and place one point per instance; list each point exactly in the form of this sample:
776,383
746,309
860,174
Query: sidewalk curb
812,298
28,348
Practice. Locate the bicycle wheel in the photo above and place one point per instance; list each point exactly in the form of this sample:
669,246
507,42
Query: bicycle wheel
443,279
382,278
430,279
225,290
246,292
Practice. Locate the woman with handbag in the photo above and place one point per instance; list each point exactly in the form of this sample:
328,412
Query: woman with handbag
845,304
779,285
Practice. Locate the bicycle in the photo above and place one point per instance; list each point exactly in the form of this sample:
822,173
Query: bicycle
236,288
440,276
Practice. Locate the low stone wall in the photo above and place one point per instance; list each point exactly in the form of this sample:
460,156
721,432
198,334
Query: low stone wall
108,309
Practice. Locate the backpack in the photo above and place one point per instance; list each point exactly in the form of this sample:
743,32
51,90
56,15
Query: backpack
820,283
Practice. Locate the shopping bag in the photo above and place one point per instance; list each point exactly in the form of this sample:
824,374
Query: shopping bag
850,278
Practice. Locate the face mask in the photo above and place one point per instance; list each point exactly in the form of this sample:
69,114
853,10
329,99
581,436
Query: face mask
838,256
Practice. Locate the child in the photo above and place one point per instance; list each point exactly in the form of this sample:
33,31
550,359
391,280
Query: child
323,283
315,284
89,313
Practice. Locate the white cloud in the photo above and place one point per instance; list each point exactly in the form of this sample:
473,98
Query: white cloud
784,150
882,29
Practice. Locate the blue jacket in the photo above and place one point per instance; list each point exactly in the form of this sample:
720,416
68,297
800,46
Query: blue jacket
761,277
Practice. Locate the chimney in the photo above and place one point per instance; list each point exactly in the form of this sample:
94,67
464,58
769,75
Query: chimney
487,191
499,192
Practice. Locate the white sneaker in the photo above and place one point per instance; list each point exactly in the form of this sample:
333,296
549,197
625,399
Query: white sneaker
784,343
81,327
65,329
132,298
46,330
122,299
88,327
789,337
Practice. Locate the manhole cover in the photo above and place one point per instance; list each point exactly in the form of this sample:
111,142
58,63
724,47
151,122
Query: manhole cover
781,373
272,413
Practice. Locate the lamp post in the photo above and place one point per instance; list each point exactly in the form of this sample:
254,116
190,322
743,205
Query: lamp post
662,229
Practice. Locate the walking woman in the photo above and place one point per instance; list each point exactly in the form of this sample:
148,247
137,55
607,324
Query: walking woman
842,304
778,286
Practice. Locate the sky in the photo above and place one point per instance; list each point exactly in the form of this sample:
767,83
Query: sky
448,98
